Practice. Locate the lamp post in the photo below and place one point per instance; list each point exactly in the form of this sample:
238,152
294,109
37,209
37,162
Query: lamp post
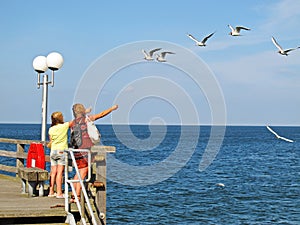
41,64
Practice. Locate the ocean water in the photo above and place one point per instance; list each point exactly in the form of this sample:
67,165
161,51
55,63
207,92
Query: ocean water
260,175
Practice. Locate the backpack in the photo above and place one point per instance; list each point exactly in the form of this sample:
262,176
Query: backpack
76,136
92,131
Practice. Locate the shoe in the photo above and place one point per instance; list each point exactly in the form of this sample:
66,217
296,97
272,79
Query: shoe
52,196
60,196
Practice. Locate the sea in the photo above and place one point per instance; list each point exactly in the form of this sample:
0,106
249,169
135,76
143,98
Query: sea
154,177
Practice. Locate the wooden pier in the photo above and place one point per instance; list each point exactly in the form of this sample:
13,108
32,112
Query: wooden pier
19,208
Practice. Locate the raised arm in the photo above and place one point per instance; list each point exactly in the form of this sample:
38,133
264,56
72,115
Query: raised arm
103,113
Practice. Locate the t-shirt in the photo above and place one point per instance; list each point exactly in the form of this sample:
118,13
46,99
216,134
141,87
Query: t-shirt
59,136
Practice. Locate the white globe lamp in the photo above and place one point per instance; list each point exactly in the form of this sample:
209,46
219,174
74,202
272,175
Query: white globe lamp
54,61
40,64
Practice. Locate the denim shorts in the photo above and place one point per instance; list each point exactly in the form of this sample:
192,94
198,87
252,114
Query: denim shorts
57,157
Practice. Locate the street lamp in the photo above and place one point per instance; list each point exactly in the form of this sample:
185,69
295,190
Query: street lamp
41,64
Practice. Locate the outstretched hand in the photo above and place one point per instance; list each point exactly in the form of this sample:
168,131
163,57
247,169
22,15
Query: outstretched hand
114,107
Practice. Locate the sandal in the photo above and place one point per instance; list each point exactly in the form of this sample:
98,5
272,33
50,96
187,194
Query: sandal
52,195
73,200
60,196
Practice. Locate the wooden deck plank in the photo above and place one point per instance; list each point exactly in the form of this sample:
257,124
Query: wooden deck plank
14,204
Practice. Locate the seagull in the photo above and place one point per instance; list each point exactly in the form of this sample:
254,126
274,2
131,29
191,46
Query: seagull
280,49
161,57
200,43
236,31
149,56
279,137
220,185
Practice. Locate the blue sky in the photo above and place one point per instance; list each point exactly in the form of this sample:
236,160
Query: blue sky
259,86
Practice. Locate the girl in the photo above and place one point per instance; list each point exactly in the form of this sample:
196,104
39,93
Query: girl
58,135
79,113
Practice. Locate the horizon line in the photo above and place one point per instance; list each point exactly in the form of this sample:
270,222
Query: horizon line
146,124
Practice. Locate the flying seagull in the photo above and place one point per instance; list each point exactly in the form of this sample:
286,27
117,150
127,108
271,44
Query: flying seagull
161,57
280,49
149,56
200,43
279,137
236,31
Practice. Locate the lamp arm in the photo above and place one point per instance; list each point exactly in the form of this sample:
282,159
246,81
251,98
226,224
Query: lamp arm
52,79
38,81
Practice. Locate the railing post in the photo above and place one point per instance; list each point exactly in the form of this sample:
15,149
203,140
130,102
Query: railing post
100,180
101,176
19,161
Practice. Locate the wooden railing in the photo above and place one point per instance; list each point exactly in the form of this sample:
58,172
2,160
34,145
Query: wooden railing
20,155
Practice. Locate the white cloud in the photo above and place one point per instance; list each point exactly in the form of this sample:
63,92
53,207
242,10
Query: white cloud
282,17
257,67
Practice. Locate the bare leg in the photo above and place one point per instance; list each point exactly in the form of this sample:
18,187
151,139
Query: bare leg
60,169
83,172
52,179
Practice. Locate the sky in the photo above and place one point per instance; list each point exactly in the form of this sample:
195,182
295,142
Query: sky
233,80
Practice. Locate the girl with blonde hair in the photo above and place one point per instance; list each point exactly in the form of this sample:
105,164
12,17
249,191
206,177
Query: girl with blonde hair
58,135
79,113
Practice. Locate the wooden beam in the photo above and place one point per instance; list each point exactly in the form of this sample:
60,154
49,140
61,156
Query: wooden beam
102,148
8,154
17,141
10,169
